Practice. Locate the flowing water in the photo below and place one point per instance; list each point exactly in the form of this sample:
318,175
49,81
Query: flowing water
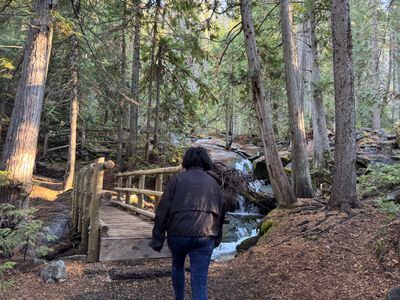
242,223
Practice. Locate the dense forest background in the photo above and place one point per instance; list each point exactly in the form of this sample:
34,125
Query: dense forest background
192,56
130,79
298,101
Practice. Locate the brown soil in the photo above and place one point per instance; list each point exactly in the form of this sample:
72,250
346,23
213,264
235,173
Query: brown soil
308,254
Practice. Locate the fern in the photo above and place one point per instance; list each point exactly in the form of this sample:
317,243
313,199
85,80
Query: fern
379,178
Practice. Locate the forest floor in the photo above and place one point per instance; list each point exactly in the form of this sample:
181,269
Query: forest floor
309,253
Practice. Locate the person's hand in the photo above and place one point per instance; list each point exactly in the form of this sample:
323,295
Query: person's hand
155,248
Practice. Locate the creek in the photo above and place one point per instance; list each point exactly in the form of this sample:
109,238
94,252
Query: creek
240,224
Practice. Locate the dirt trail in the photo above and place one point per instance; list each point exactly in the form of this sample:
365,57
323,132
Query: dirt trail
308,254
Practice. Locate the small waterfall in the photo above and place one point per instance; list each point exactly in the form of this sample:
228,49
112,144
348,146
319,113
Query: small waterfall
227,250
242,222
259,186
245,166
241,203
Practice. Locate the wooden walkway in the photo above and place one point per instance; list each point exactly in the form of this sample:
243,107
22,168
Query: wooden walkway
115,229
125,235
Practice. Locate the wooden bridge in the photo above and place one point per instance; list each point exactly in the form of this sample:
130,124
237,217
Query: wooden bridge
116,225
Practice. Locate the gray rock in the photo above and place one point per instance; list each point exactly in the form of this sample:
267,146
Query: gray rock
54,272
394,294
247,244
38,261
394,196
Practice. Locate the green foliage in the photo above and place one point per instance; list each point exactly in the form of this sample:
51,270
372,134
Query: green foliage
379,178
63,24
3,177
21,230
5,67
4,267
390,208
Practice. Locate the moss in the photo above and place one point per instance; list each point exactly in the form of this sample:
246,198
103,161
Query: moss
288,171
266,226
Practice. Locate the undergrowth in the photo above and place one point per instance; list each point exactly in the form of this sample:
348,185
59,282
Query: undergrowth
19,232
379,178
388,207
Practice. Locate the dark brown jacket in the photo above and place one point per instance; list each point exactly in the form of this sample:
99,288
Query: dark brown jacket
192,205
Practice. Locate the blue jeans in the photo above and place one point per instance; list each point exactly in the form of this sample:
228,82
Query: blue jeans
199,250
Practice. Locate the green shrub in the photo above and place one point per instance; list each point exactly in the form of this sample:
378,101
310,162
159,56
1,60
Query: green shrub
4,284
19,232
379,178
388,207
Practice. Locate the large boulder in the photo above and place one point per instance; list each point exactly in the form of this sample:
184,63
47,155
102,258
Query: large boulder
260,168
394,196
54,272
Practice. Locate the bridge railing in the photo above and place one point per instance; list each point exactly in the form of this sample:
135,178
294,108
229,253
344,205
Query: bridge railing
86,203
125,188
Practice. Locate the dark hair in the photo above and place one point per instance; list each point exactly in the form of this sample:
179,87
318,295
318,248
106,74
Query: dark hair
197,157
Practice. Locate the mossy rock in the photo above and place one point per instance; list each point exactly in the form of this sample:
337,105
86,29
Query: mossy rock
247,244
266,226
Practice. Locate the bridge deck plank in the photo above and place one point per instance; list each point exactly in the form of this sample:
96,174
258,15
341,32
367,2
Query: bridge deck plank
127,237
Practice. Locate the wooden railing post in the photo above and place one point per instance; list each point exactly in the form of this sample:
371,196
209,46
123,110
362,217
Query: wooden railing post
142,180
74,208
120,186
128,185
86,203
95,205
140,191
76,204
80,202
159,186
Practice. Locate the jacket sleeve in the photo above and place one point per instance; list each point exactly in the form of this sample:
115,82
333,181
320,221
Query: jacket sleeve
161,217
221,219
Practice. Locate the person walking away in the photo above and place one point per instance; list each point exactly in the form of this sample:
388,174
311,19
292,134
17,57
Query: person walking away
191,212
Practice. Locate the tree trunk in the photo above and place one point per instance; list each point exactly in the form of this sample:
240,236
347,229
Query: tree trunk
121,105
279,181
344,193
70,169
135,88
158,87
374,45
301,172
151,78
390,57
320,131
19,152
